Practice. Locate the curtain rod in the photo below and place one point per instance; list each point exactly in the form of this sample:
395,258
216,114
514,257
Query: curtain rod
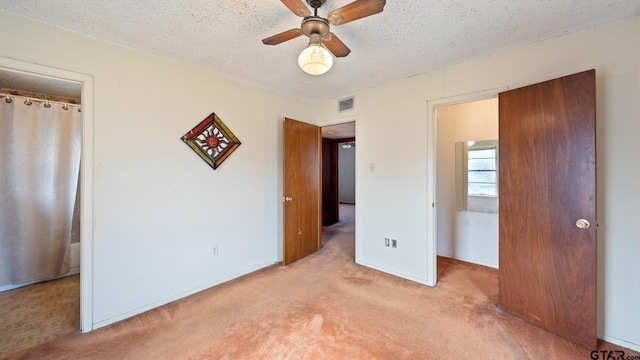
28,101
38,95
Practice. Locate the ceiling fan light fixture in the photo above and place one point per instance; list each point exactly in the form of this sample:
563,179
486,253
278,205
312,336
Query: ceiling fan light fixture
315,59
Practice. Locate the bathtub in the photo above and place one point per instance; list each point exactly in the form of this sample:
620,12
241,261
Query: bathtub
74,263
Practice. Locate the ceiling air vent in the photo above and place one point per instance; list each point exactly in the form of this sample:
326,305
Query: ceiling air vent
345,104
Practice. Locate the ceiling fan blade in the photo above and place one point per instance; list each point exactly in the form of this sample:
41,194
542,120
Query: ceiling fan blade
297,7
335,45
356,10
282,37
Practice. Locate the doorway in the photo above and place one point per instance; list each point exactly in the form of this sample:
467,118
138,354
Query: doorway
41,140
303,184
547,181
339,172
37,75
31,103
434,168
466,181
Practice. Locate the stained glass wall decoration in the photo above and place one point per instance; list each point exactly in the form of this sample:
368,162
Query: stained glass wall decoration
212,140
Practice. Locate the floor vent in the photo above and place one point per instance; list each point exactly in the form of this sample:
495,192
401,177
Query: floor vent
345,104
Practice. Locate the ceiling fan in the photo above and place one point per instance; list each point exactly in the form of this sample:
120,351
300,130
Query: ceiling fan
315,59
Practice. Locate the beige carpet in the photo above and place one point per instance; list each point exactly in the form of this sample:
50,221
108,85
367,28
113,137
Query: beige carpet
326,307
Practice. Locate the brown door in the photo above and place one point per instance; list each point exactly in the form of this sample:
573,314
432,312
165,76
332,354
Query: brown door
302,208
547,181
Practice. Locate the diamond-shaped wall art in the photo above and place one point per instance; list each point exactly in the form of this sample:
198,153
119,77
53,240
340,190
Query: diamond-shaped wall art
212,140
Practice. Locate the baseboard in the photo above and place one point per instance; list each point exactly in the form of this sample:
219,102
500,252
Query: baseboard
394,273
165,301
469,260
623,343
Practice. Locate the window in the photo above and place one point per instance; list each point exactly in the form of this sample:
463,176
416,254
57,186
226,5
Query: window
477,176
482,177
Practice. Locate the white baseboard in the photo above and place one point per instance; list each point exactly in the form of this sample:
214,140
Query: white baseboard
469,260
128,314
623,343
394,273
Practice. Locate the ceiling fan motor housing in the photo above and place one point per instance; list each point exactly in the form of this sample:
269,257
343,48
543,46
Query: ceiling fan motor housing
315,25
317,28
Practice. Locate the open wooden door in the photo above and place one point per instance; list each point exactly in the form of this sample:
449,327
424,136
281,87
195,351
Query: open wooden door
547,182
302,207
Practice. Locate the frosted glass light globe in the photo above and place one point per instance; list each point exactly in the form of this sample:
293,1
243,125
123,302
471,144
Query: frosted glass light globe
315,59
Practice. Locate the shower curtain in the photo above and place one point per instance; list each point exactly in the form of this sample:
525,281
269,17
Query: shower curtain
39,168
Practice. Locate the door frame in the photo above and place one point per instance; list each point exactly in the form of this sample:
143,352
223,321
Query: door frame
432,168
347,119
86,171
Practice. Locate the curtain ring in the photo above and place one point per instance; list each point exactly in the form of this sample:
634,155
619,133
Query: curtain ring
46,104
65,107
28,102
8,100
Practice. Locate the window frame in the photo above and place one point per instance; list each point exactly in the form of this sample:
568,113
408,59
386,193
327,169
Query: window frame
494,169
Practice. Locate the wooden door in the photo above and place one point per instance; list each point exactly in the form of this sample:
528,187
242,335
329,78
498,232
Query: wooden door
302,231
547,183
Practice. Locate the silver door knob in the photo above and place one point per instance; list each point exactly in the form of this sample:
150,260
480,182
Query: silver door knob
582,224
288,198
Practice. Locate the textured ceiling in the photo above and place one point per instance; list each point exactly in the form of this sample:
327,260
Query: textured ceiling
340,131
409,37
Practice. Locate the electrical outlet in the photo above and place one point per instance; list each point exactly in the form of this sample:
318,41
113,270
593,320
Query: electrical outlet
214,250
394,243
386,242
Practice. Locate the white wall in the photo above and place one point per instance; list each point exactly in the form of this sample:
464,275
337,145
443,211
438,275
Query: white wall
393,198
347,175
158,208
463,235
